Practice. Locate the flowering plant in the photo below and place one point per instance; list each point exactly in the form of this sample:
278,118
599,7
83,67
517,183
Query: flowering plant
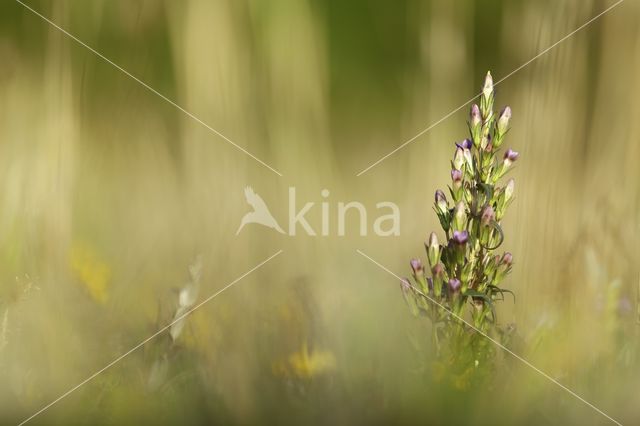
467,270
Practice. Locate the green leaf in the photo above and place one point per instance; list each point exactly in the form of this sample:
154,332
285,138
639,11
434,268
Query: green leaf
486,298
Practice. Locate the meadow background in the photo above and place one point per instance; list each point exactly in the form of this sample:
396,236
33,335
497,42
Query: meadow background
108,194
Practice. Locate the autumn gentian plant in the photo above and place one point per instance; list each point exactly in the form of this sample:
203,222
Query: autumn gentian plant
467,269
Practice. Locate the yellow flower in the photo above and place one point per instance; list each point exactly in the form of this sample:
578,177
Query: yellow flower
304,364
91,272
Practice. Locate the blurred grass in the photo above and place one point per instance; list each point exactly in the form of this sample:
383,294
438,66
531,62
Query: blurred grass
320,90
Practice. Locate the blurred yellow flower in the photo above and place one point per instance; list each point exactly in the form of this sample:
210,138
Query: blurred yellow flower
91,271
305,365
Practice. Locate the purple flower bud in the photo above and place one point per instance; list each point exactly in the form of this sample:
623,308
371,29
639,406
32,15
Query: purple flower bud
475,117
503,121
438,271
511,155
465,144
416,265
507,259
488,215
454,284
456,175
441,202
405,285
460,237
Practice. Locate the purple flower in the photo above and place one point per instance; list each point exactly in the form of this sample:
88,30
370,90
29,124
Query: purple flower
511,155
465,144
416,266
454,284
460,237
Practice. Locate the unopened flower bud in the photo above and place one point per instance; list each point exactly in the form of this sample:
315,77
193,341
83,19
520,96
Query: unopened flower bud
438,278
405,285
468,160
416,266
438,271
474,117
488,215
503,120
508,190
486,102
441,202
456,177
458,159
407,294
507,259
454,285
459,216
487,89
433,249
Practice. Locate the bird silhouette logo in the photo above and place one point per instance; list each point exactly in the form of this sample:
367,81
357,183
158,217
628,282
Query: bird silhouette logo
260,214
